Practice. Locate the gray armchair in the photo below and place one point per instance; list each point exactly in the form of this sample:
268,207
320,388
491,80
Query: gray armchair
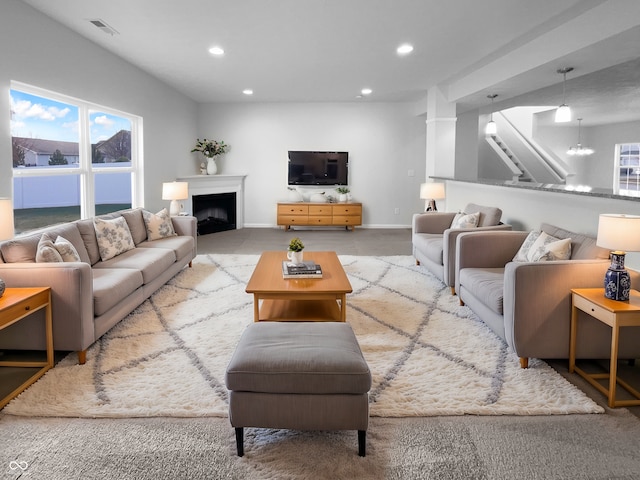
434,242
528,304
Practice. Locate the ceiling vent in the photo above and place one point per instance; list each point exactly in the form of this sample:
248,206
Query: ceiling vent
102,25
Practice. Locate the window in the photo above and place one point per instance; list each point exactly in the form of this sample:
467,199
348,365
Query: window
71,159
627,169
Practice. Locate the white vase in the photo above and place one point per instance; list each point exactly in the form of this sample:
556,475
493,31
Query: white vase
342,197
212,168
295,257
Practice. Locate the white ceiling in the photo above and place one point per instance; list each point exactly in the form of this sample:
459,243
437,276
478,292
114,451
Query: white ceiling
328,50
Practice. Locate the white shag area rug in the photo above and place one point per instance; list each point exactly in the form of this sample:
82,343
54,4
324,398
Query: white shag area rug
428,355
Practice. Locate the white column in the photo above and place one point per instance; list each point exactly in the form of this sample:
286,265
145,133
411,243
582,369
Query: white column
441,135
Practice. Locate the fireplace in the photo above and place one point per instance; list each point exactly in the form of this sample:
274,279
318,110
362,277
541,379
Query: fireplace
217,201
215,212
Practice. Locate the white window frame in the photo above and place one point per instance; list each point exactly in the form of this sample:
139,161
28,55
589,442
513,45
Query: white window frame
617,189
85,169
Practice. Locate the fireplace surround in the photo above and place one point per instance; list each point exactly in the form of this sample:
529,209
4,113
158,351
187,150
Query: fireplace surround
220,189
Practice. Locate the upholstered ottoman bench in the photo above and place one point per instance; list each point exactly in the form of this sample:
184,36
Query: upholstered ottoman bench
300,376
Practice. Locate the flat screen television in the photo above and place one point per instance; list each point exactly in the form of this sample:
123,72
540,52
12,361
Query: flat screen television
318,168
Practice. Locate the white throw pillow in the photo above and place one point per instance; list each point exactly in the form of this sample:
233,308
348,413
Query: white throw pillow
66,250
158,225
47,252
541,247
114,237
465,220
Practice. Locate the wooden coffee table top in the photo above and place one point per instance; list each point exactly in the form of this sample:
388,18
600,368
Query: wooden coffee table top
267,276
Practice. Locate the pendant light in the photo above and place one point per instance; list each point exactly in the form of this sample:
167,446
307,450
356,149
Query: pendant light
491,128
579,150
563,113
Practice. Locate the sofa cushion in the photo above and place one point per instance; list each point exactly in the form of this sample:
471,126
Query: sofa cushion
23,249
430,245
136,225
489,216
465,220
540,247
112,285
66,250
486,284
88,233
583,247
158,225
299,358
114,237
152,262
47,252
182,246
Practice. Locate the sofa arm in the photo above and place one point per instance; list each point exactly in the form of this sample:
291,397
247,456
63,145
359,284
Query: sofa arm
431,222
449,248
537,303
71,301
185,225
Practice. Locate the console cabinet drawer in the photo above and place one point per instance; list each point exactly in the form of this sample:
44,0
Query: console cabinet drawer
320,209
347,210
320,219
346,220
292,209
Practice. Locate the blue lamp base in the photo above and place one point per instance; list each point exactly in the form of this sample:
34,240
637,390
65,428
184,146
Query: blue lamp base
617,282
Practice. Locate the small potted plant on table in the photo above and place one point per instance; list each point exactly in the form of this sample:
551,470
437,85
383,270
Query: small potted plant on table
295,251
342,192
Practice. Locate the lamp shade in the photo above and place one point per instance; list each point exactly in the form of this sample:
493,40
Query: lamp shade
491,128
563,114
175,191
6,218
432,191
619,232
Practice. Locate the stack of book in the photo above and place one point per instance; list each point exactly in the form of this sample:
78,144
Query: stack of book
301,270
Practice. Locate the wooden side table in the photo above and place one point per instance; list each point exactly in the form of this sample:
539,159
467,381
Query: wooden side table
16,304
615,314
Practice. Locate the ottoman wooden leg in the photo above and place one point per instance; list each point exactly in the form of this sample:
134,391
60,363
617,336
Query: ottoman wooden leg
362,442
240,441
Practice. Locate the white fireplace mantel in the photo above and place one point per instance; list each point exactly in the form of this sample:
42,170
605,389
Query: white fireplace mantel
211,184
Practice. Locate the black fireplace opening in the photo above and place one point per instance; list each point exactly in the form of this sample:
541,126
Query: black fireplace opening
215,212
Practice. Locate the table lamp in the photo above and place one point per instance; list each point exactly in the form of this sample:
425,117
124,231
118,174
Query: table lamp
175,191
619,233
430,192
6,227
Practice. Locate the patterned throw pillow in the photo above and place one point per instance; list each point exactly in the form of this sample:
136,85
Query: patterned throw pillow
465,220
541,247
66,250
158,225
47,251
113,237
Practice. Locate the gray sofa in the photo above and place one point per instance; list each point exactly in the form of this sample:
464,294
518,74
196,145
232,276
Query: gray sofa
91,296
528,304
434,242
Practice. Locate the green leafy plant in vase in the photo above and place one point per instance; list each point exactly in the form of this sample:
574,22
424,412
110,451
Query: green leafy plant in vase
295,250
342,193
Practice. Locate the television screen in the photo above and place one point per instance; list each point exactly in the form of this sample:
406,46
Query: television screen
318,168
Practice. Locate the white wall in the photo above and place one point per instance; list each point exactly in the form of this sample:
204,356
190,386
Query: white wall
384,141
38,51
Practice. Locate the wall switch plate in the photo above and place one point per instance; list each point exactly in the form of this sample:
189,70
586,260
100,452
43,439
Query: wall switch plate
410,173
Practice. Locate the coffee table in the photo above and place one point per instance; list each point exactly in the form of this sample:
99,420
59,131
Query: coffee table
305,299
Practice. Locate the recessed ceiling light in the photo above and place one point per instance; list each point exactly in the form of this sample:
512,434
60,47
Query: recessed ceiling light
247,91
366,91
404,49
217,51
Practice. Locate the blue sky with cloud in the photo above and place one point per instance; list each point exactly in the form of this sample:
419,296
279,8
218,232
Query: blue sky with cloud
33,116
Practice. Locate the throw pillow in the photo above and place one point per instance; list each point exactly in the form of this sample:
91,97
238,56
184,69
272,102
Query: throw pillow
66,250
521,256
158,225
541,247
47,252
465,220
113,237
